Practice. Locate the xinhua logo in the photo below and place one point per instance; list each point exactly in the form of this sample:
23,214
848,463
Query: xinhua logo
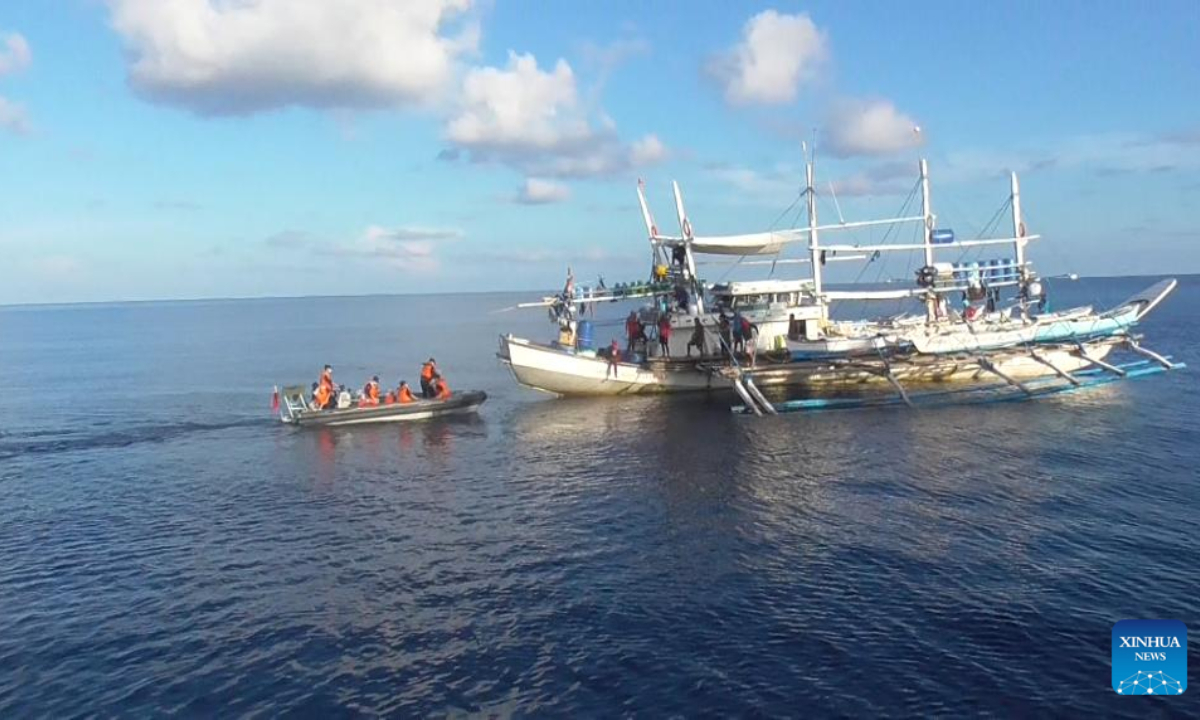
1149,657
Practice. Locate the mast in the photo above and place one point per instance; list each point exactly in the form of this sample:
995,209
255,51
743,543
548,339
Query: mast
814,245
927,210
931,298
1018,227
658,253
685,227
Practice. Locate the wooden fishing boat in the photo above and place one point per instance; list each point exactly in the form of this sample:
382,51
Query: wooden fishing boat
1003,329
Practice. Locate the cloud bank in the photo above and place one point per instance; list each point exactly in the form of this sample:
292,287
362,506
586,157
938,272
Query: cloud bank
777,54
869,127
532,119
228,58
537,191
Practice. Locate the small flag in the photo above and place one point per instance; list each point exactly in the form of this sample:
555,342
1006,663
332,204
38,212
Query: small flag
275,400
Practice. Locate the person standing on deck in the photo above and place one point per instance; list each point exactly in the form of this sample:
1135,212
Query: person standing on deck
664,334
327,379
739,339
633,329
697,340
681,297
428,370
614,358
726,333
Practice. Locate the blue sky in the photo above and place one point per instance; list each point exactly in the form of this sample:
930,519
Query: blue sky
209,148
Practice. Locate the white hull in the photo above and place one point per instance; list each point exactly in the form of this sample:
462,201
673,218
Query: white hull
842,345
561,372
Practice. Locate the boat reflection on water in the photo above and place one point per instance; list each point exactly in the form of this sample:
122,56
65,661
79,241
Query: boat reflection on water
383,444
893,481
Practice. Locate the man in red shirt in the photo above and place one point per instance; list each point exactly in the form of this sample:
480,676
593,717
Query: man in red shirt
614,357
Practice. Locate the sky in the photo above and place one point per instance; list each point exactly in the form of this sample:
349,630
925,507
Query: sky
170,149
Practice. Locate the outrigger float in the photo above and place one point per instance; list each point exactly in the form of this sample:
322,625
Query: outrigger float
1027,373
986,347
293,410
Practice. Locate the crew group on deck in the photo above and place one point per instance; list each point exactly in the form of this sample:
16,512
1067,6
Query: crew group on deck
736,336
326,395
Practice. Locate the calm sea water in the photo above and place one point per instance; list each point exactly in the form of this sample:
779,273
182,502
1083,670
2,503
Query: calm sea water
166,548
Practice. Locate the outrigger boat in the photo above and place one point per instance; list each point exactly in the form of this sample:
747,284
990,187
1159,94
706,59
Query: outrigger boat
294,410
798,342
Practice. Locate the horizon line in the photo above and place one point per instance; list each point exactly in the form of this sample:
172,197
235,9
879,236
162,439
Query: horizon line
244,298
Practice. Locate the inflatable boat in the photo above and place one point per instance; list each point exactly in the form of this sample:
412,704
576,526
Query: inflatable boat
294,411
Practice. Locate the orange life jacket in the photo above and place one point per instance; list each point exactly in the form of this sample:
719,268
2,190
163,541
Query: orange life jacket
427,371
389,399
405,395
373,391
323,394
327,380
443,391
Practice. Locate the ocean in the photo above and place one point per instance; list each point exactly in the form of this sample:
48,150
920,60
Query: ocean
168,548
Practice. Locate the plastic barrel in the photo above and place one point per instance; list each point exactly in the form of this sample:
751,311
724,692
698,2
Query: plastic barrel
584,335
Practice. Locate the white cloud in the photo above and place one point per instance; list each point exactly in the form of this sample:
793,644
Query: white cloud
411,234
537,191
13,117
648,150
777,54
413,248
520,108
409,248
243,56
14,54
869,127
532,119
